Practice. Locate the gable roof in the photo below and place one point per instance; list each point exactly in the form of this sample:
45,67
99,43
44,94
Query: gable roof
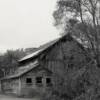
47,45
22,70
40,49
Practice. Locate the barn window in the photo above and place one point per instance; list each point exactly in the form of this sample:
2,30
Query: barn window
70,65
38,80
29,80
48,81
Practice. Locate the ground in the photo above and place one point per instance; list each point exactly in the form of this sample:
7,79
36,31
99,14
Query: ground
5,97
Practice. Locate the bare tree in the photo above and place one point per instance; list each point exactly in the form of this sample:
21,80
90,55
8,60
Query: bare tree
81,17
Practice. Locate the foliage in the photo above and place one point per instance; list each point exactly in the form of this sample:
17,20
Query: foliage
81,18
9,60
82,84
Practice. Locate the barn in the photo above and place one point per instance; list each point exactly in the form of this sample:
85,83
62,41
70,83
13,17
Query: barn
27,79
43,69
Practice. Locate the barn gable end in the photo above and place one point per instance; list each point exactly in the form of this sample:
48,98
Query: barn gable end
60,57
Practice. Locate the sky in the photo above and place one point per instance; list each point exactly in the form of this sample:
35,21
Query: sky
26,23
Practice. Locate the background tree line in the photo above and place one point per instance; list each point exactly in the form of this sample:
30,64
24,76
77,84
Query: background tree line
9,60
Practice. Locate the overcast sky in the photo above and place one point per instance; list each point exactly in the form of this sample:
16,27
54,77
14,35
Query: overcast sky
26,23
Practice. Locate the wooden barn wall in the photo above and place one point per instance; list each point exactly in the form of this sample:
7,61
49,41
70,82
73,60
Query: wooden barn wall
38,72
10,86
66,55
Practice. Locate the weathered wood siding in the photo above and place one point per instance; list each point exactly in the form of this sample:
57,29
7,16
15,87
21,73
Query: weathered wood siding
63,54
10,86
38,72
63,57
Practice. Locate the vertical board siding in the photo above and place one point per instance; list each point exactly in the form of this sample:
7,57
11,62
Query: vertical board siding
61,56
